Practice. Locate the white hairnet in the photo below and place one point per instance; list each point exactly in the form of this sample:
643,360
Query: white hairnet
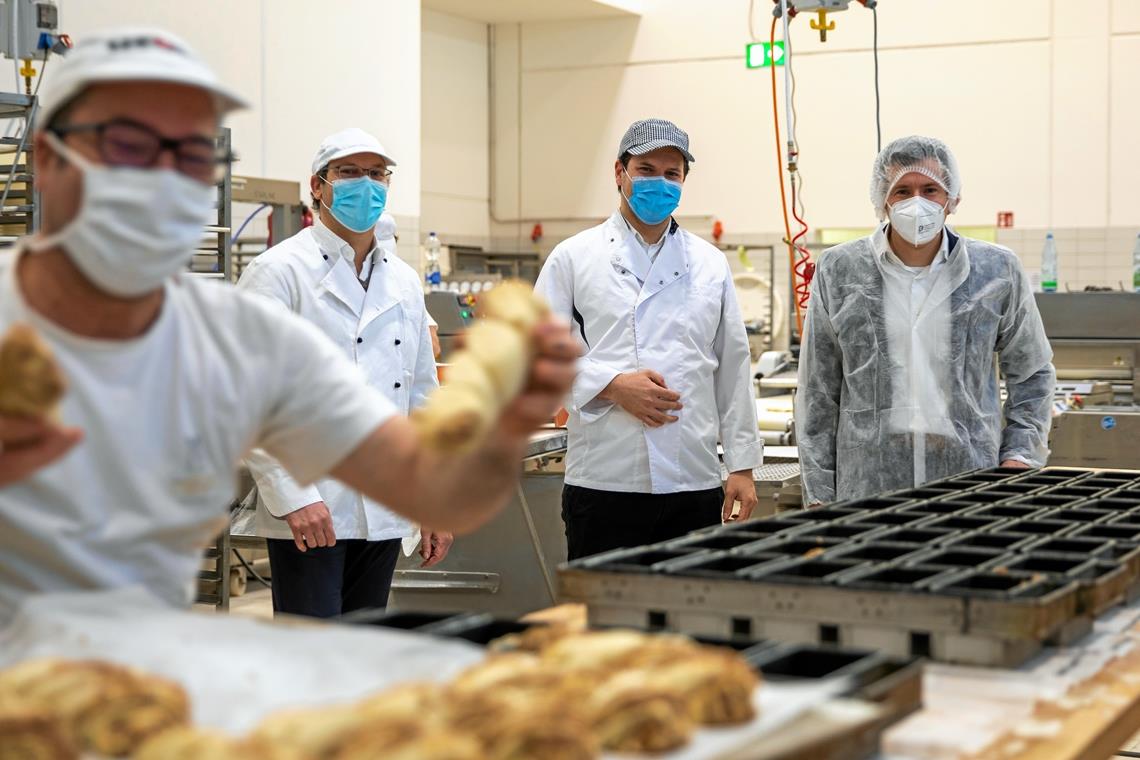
924,155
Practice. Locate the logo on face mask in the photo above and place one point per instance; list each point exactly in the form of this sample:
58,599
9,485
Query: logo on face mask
653,199
357,203
917,220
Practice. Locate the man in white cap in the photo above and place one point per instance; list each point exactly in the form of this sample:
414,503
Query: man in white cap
898,383
172,379
666,371
331,549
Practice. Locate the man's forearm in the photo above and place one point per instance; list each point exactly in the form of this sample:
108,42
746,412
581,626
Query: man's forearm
452,493
461,493
1028,415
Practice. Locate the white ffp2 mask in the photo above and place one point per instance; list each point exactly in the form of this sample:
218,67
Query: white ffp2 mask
917,220
135,227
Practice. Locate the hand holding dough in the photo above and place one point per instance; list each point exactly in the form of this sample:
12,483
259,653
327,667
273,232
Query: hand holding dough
487,374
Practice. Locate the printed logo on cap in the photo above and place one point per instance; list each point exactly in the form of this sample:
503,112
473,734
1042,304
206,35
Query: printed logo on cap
130,43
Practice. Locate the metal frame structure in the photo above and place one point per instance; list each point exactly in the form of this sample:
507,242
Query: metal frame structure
26,213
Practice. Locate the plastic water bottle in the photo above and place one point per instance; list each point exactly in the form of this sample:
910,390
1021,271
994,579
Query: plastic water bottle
1049,265
1136,264
432,276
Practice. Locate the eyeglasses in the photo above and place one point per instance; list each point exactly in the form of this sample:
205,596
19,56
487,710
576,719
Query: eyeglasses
351,171
122,142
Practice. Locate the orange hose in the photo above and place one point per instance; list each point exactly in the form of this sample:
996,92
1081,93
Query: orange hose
792,263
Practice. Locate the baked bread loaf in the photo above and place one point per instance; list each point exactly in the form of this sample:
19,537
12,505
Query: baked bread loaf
31,383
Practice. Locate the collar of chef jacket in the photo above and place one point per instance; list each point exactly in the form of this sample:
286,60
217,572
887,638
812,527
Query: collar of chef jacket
627,256
341,280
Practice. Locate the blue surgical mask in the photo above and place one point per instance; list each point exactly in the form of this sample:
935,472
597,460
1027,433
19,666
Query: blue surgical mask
653,199
357,203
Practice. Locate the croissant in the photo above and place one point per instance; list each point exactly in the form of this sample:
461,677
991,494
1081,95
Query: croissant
29,733
436,746
104,708
31,383
185,743
319,732
514,723
484,376
716,687
632,714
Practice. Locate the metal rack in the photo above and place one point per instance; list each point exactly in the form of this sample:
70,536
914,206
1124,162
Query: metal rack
21,217
214,255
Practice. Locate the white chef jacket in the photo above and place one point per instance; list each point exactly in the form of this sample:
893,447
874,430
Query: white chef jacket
383,330
677,315
166,417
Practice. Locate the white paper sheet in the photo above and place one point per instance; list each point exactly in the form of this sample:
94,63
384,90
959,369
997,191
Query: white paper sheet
238,670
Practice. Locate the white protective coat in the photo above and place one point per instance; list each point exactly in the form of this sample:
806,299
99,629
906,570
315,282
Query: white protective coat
677,315
383,330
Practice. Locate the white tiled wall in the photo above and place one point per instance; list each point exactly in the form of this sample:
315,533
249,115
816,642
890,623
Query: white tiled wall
1085,256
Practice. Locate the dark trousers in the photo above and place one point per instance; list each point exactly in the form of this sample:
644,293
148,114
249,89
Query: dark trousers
327,581
597,521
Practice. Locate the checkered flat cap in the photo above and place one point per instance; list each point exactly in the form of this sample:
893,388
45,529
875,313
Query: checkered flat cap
650,134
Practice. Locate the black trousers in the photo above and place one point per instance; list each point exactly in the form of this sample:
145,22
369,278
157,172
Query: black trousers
327,581
598,521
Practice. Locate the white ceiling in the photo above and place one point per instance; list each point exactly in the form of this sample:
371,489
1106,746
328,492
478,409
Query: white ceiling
515,11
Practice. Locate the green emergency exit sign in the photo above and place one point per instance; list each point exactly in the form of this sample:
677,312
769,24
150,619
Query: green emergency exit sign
760,55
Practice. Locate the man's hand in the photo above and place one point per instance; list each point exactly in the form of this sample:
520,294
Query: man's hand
644,395
27,445
434,547
551,376
312,526
739,488
1015,464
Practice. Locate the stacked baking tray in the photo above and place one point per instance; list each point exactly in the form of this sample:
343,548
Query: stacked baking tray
984,568
893,682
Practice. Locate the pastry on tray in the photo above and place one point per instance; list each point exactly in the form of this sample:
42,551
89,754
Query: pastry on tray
517,670
103,708
30,733
31,384
632,714
533,639
607,651
186,743
519,724
418,701
716,686
323,732
434,746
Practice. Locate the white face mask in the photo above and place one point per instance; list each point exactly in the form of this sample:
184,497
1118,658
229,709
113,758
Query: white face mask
917,220
135,227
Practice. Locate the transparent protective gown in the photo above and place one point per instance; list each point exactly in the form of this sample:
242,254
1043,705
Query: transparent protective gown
874,416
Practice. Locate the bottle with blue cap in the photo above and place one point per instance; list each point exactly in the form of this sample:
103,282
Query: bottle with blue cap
432,276
1049,265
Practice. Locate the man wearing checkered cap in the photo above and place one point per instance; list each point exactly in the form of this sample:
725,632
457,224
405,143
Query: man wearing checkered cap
665,374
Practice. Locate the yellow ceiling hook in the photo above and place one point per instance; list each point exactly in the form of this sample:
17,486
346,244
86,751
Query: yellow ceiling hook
823,26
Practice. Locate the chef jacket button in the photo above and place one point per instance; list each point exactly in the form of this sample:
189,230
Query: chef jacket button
385,261
397,385
360,340
326,256
397,341
660,282
676,274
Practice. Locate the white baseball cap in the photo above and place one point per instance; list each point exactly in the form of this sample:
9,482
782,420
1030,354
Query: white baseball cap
345,143
131,54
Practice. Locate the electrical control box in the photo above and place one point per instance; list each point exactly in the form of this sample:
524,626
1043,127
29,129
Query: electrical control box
29,29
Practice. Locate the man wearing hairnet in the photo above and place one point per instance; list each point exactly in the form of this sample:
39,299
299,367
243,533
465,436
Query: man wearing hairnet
897,380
